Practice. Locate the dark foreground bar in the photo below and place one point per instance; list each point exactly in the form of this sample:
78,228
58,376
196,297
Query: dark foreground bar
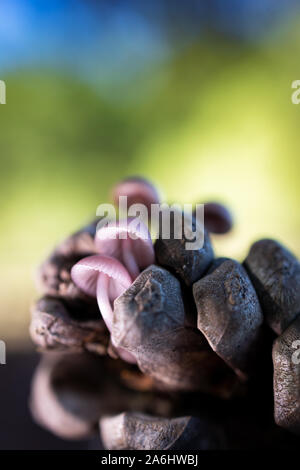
137,459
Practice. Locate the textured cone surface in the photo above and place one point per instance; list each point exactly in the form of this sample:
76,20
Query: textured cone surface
54,275
286,361
151,306
134,431
275,273
55,325
189,265
229,314
149,321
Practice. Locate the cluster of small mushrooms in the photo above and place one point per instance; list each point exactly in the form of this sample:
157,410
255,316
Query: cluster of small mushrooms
167,348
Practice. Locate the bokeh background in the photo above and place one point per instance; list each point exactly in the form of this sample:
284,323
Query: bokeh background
194,95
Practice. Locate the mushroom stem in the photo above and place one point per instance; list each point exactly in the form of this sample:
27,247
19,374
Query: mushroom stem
129,258
107,313
125,355
103,299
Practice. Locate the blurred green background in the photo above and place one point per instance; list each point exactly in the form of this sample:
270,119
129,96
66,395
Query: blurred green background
208,117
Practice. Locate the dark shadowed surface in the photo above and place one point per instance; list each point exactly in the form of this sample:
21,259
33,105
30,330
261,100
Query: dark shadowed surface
17,430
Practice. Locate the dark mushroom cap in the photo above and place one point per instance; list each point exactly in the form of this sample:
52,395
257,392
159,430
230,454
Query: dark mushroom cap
217,218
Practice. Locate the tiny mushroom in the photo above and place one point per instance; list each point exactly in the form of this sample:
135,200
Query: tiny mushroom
137,190
129,241
106,278
217,218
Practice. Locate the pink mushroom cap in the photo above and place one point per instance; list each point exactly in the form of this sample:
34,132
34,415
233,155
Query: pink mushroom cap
138,191
105,278
129,241
85,274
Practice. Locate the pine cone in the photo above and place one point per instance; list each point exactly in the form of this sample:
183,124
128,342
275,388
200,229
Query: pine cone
195,329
